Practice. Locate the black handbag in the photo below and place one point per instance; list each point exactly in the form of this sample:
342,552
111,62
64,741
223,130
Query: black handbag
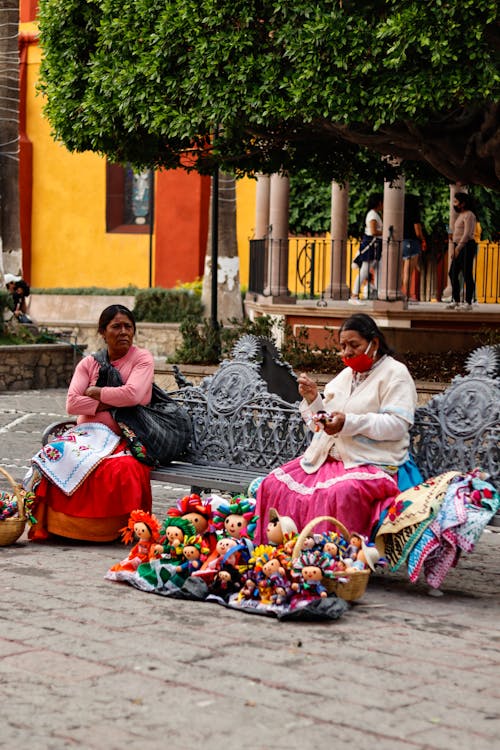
155,434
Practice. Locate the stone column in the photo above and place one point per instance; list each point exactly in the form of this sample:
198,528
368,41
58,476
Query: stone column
389,271
277,270
454,188
262,206
339,219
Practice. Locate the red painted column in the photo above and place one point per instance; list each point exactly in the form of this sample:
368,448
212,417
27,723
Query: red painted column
181,226
25,157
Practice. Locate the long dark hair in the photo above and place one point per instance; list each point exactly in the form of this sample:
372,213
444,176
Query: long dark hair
109,313
368,329
374,200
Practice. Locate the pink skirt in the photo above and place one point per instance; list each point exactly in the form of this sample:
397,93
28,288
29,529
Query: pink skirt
355,497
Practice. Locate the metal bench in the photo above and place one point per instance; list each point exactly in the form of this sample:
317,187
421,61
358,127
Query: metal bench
243,427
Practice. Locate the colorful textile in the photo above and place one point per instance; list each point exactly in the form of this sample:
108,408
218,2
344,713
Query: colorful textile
355,497
403,522
69,459
468,506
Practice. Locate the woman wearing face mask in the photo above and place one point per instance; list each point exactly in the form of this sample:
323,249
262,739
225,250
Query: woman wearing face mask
358,459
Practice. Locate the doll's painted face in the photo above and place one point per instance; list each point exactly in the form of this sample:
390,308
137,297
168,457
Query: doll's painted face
355,541
191,552
271,567
274,532
331,549
174,535
199,522
225,544
308,543
312,574
142,531
235,526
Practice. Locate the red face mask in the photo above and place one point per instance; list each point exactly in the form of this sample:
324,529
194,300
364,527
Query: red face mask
360,362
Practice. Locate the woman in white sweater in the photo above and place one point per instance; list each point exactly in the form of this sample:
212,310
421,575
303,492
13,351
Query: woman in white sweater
358,459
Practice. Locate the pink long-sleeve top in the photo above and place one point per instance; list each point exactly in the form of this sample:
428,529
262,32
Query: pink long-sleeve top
464,229
137,371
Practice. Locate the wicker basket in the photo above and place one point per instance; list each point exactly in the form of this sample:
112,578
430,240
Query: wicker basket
354,584
12,528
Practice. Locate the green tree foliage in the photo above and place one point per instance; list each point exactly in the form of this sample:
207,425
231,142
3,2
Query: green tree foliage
284,84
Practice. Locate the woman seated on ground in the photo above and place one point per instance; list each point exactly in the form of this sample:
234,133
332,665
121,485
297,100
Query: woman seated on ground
86,483
358,459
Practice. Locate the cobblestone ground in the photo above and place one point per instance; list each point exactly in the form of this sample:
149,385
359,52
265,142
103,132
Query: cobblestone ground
91,664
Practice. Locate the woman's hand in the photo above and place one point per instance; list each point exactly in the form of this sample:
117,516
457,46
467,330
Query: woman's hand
307,388
93,392
334,422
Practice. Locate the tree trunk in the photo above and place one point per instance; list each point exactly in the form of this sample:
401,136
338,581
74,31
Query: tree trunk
229,302
10,235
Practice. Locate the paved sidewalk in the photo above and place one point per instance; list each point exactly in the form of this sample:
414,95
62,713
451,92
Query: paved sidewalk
86,663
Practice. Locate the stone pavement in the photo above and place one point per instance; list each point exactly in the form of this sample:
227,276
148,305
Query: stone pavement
86,663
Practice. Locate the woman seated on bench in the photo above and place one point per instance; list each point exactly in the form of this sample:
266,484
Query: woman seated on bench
86,485
358,459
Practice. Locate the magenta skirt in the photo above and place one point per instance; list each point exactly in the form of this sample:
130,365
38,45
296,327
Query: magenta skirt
355,497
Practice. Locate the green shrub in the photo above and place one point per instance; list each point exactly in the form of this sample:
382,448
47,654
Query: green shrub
202,344
122,291
167,305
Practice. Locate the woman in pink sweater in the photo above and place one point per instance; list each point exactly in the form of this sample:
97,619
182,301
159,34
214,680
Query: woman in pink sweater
464,251
87,484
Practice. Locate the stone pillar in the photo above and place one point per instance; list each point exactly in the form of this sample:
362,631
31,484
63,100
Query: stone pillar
454,188
389,271
339,219
277,269
262,206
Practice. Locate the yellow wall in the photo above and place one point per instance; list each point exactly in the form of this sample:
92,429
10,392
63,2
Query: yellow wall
245,222
70,246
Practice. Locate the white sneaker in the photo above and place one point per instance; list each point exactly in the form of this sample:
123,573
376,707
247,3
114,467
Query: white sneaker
355,301
452,306
466,307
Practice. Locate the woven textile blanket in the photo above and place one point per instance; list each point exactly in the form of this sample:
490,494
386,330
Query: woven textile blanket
468,506
69,459
402,524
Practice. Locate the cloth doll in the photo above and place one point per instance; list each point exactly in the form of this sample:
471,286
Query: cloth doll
173,532
227,581
194,551
237,519
269,574
145,528
199,513
310,568
279,527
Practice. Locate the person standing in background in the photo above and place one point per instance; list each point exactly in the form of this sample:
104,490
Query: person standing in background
370,249
413,240
464,251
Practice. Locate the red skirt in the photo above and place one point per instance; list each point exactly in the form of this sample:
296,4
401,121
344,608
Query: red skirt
100,507
355,497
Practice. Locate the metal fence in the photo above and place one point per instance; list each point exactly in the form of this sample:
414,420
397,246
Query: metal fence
305,267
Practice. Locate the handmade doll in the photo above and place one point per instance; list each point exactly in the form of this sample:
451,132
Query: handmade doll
221,555
280,528
227,581
311,567
144,527
268,573
368,556
155,573
199,513
173,532
194,551
355,542
236,518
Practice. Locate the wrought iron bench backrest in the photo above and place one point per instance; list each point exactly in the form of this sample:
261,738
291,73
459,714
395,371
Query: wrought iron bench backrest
460,428
236,420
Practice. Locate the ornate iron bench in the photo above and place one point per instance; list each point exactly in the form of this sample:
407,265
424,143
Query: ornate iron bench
246,421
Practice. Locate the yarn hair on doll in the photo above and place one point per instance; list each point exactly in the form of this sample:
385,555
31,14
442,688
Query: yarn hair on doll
140,516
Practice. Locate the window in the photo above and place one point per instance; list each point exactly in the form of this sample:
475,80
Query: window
128,199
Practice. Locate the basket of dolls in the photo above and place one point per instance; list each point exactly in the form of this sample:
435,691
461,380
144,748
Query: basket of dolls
12,512
346,584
